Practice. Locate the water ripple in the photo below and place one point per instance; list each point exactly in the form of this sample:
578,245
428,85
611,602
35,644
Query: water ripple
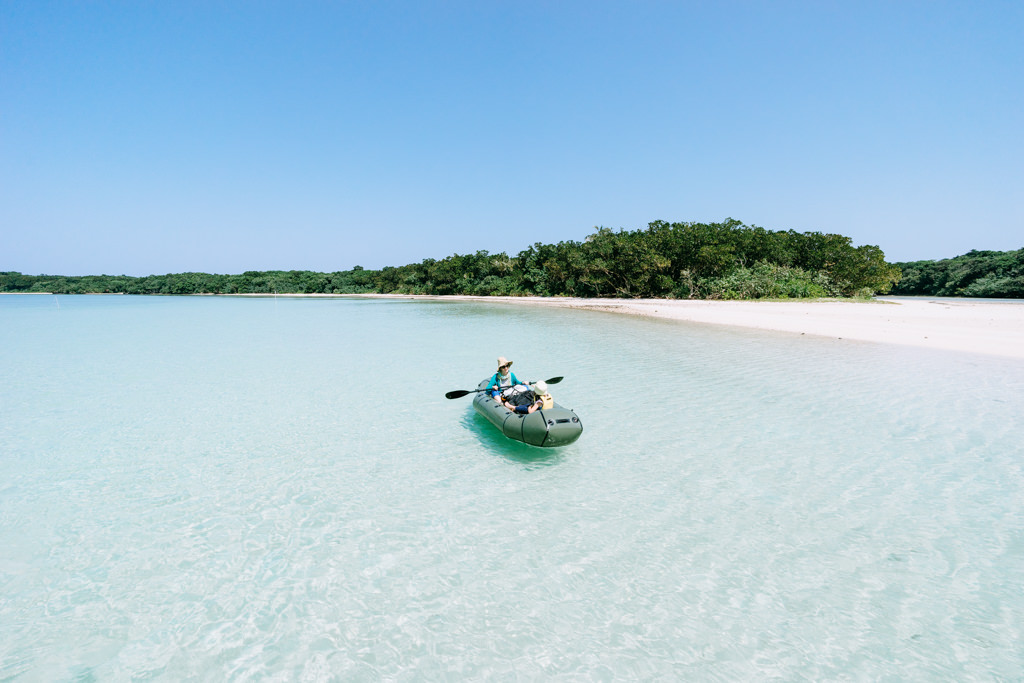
216,489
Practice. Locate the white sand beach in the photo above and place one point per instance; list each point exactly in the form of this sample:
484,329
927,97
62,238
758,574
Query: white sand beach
991,328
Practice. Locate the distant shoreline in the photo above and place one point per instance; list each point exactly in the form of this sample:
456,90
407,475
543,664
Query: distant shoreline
966,326
987,328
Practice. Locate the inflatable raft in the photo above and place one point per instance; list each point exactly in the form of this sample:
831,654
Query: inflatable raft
547,427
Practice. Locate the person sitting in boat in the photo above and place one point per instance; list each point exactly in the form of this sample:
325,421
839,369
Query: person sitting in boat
503,380
540,390
541,400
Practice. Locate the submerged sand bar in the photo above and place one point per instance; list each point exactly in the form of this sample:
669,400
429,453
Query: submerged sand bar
991,328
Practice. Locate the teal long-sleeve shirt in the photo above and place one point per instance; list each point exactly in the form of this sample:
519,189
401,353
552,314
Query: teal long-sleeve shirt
496,381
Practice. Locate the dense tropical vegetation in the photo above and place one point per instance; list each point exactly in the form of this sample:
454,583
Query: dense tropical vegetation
727,260
990,274
251,282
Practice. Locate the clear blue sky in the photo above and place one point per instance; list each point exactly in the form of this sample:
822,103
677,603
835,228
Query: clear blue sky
155,137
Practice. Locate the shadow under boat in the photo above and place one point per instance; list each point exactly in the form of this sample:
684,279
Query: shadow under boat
510,449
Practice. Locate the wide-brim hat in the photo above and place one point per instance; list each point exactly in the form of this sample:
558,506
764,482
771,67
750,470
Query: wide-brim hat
504,361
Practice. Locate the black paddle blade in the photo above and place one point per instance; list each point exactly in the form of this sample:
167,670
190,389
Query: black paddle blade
554,380
458,393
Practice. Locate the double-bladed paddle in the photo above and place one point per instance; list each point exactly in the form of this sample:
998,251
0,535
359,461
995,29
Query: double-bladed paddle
459,393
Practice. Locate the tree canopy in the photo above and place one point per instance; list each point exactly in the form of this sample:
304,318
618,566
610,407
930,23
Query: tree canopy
989,274
727,260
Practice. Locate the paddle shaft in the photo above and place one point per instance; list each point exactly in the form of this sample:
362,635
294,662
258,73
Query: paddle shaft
459,393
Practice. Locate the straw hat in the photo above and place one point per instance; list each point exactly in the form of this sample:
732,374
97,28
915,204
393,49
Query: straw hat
504,361
540,388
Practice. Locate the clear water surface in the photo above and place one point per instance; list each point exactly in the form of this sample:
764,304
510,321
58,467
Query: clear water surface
214,488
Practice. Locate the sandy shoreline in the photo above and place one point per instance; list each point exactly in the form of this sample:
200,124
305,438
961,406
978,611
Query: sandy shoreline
974,327
983,327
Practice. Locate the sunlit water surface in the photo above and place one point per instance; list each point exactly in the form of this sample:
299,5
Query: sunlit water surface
214,488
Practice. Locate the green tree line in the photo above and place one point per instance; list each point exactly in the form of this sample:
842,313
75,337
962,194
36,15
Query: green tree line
251,282
990,274
727,260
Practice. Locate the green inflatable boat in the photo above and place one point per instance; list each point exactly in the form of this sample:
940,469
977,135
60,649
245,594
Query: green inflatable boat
547,427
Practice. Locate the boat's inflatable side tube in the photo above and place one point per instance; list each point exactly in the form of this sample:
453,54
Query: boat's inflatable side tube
556,426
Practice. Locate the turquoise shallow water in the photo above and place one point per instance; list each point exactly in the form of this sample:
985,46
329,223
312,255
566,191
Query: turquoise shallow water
214,488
